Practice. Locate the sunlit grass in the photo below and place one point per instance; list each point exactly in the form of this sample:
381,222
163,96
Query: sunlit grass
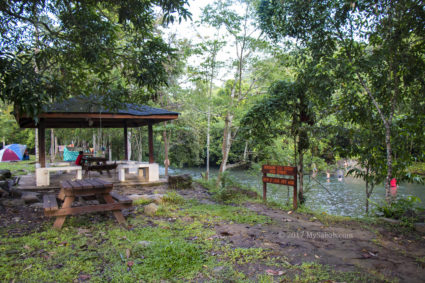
19,167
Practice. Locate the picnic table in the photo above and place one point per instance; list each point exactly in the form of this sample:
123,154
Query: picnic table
99,164
89,189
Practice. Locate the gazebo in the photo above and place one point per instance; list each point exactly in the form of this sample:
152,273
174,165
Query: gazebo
86,112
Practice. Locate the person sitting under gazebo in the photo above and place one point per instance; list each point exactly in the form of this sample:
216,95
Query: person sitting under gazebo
78,161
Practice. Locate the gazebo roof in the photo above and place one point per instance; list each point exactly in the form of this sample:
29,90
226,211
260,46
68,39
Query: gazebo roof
85,112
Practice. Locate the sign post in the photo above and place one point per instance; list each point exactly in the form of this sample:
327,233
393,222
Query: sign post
280,170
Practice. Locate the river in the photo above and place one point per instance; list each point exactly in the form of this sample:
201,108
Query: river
345,197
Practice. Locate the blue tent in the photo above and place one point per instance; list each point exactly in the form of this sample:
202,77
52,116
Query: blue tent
69,155
9,152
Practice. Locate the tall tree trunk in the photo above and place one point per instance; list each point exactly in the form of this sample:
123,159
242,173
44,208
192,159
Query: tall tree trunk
227,144
37,154
110,147
129,144
367,190
301,177
94,143
388,197
245,151
52,146
139,145
166,161
207,173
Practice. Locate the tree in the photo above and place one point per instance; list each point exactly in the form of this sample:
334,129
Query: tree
295,107
205,76
54,49
246,40
377,44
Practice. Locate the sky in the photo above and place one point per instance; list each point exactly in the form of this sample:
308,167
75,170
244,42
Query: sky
196,33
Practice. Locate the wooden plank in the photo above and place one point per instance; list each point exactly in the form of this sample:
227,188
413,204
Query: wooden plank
95,183
280,181
105,183
63,212
61,219
50,203
279,170
65,185
118,214
121,198
83,184
61,195
88,192
75,185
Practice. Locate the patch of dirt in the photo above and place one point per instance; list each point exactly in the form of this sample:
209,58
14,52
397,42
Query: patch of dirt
21,220
343,246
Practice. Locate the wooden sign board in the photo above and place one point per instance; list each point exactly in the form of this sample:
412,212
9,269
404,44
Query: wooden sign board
280,170
280,181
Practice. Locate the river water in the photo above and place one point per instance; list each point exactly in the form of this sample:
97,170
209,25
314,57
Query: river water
335,196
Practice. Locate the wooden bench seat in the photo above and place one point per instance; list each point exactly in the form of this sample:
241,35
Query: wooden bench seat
100,168
50,203
121,198
71,190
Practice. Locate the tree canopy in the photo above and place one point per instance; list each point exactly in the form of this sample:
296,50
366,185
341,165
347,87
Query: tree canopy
53,49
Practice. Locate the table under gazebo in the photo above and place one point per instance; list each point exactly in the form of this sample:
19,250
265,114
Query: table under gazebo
84,112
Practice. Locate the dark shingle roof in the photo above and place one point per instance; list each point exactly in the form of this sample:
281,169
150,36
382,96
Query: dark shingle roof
91,105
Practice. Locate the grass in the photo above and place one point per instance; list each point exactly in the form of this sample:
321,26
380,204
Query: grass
418,168
19,167
179,244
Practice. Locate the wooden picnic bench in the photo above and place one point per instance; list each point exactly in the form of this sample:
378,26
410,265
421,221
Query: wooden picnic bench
100,168
88,188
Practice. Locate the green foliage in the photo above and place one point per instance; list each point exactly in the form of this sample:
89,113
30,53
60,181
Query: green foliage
374,59
398,209
228,190
173,198
20,167
73,48
418,168
213,213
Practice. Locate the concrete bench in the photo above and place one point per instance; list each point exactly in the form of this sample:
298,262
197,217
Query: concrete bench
43,174
148,171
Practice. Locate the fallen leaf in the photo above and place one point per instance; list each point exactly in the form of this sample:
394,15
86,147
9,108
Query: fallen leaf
27,247
316,256
28,267
289,212
85,276
127,253
274,272
82,231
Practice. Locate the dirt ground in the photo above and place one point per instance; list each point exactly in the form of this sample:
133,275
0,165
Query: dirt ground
342,245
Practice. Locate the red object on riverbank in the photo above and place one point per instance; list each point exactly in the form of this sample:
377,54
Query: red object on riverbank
393,182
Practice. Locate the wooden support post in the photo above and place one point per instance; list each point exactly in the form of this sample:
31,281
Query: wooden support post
295,200
61,219
151,153
42,143
264,188
125,141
